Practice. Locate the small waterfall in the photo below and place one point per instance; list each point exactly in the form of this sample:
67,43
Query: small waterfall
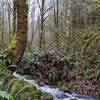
55,92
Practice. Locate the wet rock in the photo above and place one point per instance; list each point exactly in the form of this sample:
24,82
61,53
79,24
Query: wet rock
73,98
85,97
62,96
41,84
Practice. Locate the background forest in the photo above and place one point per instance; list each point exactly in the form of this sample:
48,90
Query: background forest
56,42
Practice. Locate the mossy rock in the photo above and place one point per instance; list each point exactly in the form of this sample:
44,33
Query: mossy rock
47,96
1,67
65,89
28,77
35,94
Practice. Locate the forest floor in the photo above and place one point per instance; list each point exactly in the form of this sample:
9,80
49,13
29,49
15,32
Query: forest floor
75,83
58,71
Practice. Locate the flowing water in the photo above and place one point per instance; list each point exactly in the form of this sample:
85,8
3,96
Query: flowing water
55,92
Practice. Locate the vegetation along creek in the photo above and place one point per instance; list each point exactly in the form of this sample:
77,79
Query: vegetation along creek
49,49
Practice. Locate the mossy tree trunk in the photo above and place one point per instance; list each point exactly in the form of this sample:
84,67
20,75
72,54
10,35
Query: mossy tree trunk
18,45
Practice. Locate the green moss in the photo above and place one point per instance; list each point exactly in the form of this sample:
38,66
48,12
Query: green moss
35,94
28,77
13,43
65,89
1,67
49,97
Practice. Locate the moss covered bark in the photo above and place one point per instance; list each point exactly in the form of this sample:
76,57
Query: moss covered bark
18,45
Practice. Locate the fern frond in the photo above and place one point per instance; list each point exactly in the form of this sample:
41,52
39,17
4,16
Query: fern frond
6,95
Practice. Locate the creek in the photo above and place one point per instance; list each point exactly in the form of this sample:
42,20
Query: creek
55,92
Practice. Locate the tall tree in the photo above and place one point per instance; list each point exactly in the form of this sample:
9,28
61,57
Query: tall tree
43,18
42,30
56,23
18,45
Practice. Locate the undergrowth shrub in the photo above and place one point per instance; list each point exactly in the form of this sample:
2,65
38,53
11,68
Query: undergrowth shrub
14,88
33,54
88,62
17,89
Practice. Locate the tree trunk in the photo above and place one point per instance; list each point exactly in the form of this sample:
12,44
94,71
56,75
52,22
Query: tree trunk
14,18
3,29
18,45
56,24
42,30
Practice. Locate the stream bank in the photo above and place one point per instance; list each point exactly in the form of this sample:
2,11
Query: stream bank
55,92
52,70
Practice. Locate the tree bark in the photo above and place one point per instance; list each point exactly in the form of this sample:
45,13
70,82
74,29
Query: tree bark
42,30
18,45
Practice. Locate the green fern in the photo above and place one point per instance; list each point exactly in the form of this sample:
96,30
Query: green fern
23,89
12,85
90,41
5,95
